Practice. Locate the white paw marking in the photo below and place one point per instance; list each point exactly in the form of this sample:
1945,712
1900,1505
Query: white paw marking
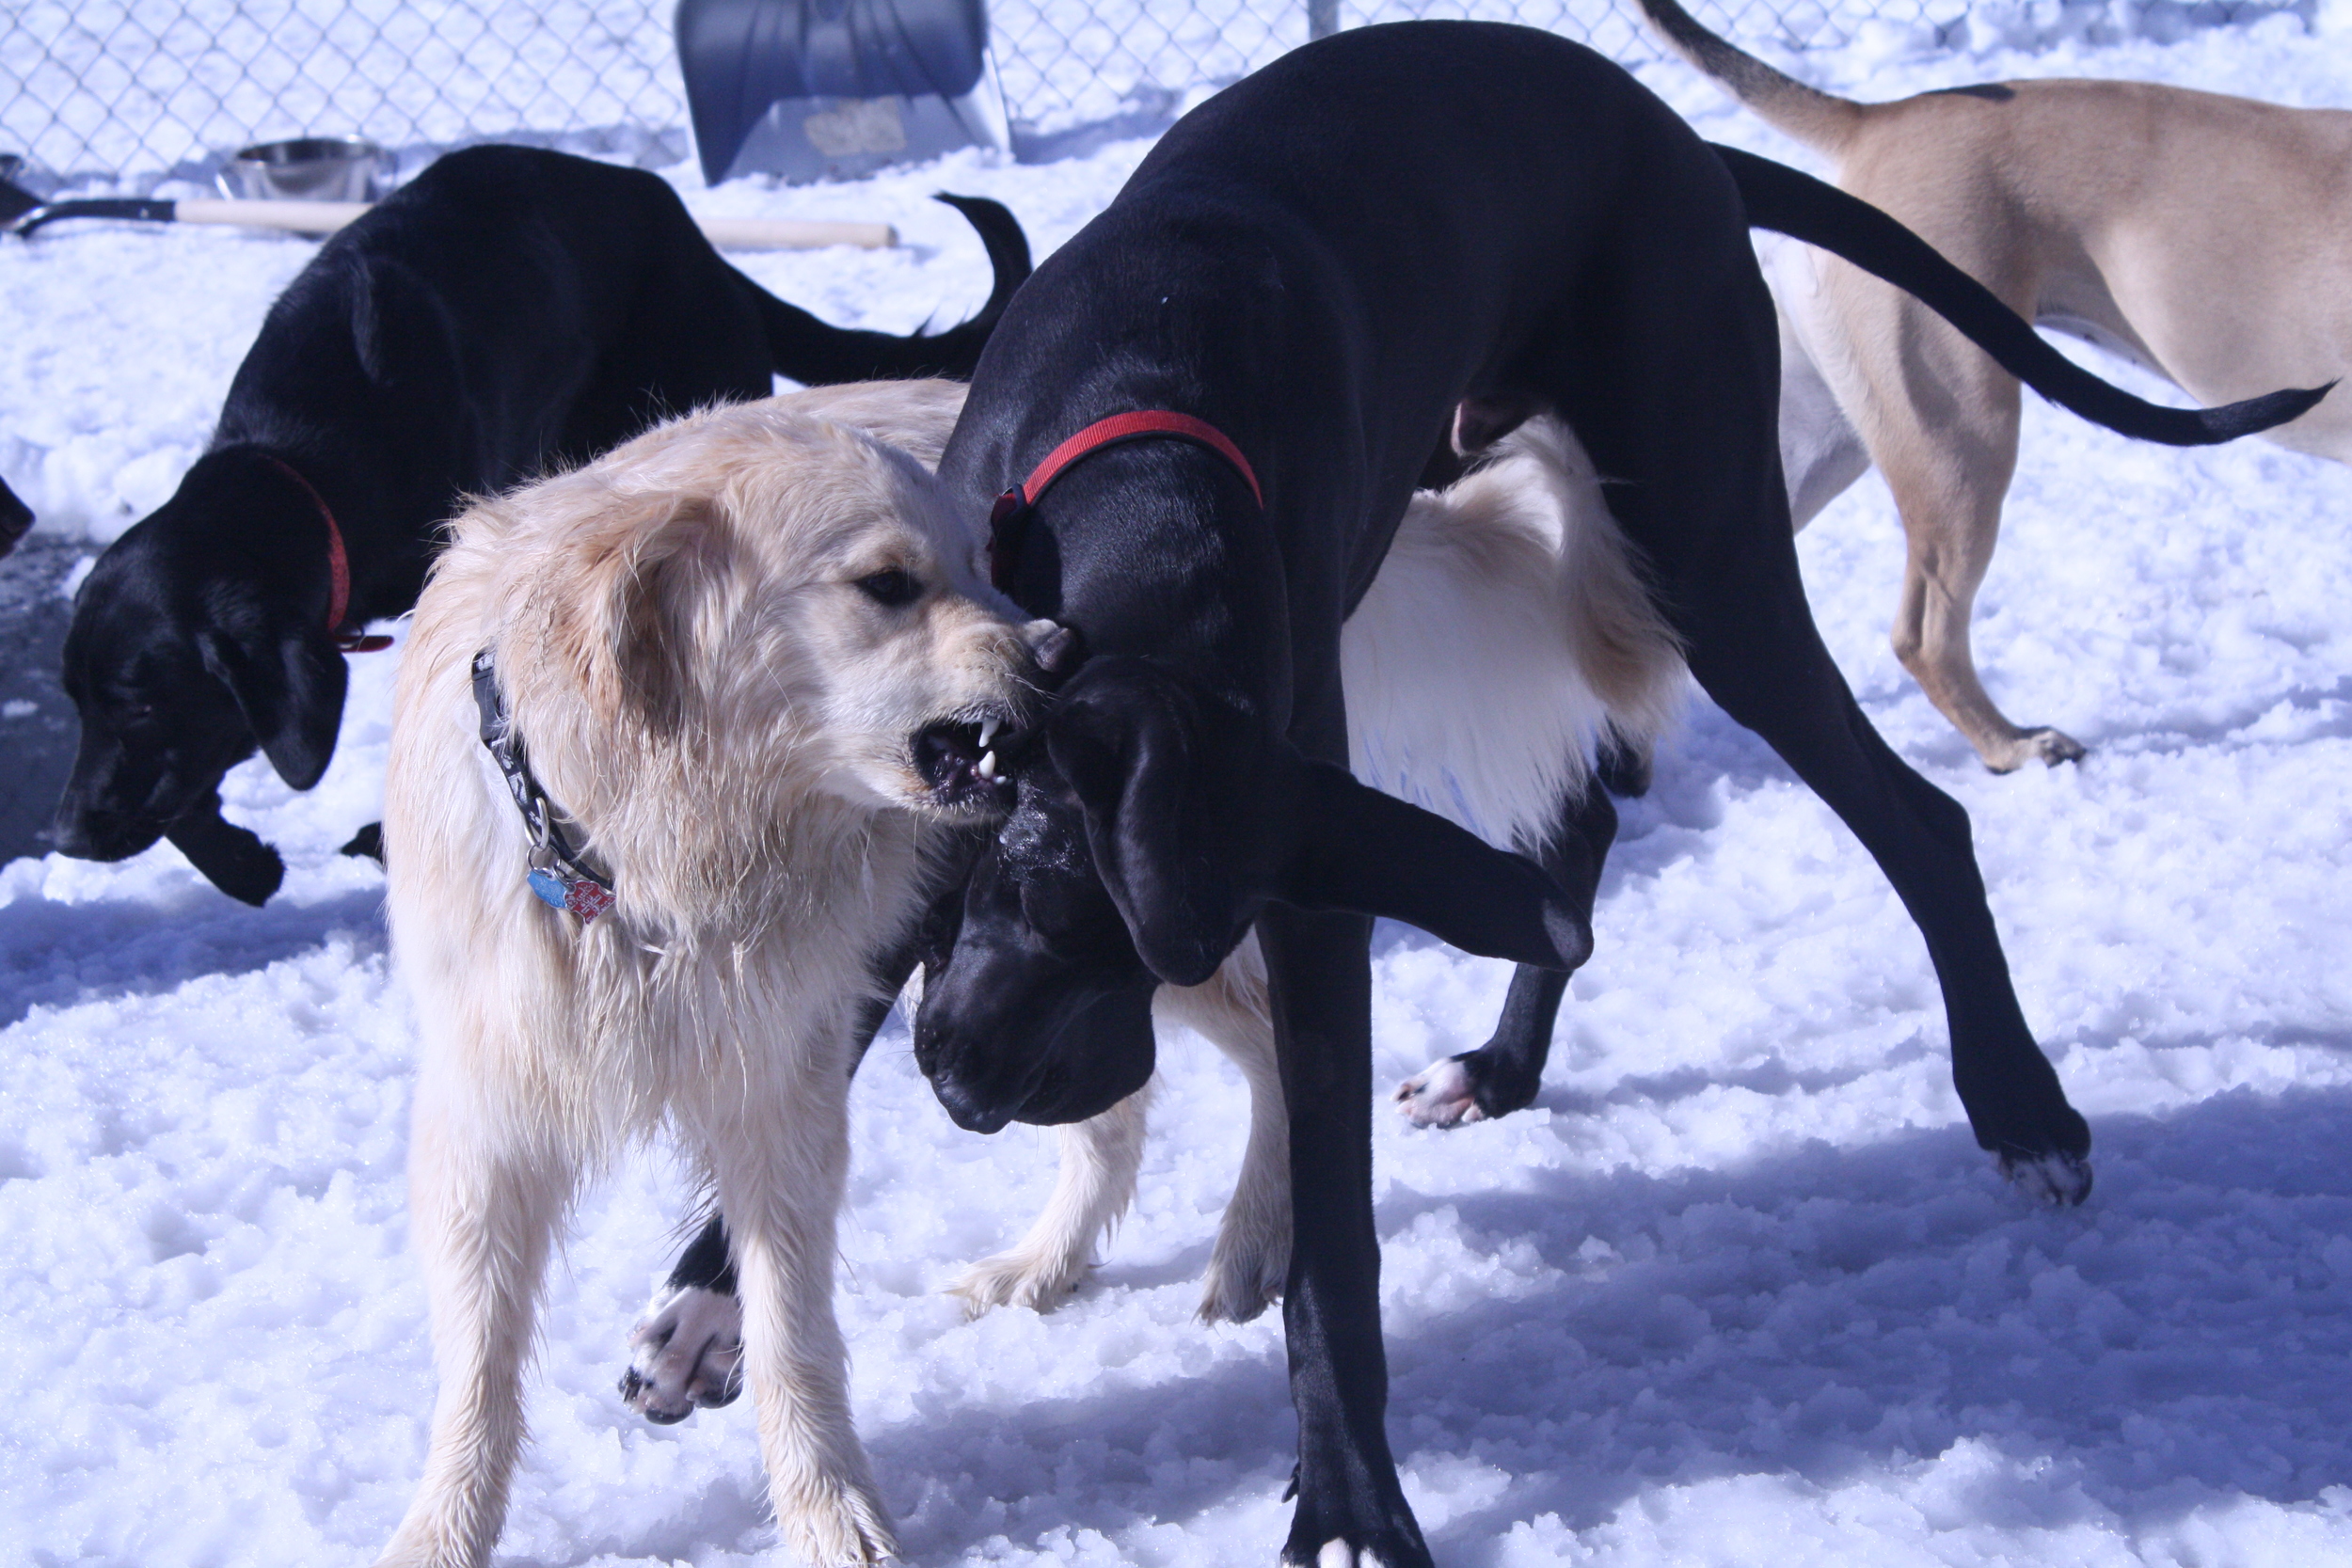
2054,1178
687,1350
1438,1096
1338,1554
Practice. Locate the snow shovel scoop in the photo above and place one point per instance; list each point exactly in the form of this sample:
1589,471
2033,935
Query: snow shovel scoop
22,213
834,89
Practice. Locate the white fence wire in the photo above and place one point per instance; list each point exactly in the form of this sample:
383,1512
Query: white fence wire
135,90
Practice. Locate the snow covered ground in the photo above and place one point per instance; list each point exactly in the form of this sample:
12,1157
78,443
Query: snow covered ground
1740,1289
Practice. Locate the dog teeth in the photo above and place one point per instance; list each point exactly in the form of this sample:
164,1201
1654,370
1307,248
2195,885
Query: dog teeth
988,763
988,731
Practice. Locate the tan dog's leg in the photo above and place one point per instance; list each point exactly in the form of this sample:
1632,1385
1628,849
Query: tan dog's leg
1940,420
1253,1257
778,1151
482,1214
1099,1157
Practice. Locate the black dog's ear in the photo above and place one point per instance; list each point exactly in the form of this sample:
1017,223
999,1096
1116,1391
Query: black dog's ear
1197,820
1125,739
291,690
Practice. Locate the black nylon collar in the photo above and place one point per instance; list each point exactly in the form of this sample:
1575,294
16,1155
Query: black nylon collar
557,873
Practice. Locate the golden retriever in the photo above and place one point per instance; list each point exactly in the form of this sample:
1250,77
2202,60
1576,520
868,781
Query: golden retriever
749,662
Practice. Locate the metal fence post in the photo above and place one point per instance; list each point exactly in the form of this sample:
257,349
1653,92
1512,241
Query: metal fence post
1323,18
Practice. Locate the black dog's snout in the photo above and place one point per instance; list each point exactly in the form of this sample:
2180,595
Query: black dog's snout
967,1110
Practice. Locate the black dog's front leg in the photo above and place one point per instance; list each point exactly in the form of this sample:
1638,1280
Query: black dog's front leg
1319,982
1503,1074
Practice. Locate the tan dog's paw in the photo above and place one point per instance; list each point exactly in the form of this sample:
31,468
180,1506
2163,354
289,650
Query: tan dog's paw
843,1526
1019,1278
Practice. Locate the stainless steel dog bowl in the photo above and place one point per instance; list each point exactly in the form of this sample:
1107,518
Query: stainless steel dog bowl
308,169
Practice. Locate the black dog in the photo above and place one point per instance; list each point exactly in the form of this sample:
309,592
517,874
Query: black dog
509,311
15,517
1382,233
1385,232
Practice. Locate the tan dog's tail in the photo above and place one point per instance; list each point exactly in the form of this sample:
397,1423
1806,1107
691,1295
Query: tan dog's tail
1814,118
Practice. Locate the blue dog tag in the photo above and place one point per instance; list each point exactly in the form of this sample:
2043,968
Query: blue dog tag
548,887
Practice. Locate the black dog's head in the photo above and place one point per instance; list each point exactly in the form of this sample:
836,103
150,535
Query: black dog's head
200,635
1153,824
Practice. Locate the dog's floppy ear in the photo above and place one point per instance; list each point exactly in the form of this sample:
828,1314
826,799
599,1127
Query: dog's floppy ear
1125,738
289,687
662,556
1197,820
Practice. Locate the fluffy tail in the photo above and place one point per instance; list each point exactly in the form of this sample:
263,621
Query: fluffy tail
1804,208
1814,118
817,354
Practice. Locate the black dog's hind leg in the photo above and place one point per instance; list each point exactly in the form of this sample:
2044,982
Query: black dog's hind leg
1673,392
687,1350
1503,1074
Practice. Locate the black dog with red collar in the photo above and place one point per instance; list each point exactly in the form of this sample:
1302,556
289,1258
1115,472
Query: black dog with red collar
1387,235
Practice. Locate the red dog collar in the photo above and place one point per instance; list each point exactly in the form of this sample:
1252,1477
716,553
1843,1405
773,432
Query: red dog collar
1093,438
338,574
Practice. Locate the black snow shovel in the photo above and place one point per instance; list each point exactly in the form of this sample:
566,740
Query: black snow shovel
835,89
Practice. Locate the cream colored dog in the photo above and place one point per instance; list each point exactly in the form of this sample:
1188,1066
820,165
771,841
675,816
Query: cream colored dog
749,661
2207,239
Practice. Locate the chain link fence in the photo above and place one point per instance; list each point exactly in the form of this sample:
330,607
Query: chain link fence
138,90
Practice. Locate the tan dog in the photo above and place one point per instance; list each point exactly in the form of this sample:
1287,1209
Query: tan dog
2207,239
748,660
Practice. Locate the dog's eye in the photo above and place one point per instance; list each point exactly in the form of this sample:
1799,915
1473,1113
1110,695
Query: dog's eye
892,588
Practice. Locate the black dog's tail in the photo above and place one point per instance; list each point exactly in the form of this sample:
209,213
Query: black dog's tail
1787,203
817,354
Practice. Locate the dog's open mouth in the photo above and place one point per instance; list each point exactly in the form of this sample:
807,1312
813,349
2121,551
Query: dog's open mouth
965,761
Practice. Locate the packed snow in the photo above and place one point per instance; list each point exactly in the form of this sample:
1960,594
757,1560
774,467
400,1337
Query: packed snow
1738,1289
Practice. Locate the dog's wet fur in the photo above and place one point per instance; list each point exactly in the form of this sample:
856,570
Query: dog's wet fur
721,647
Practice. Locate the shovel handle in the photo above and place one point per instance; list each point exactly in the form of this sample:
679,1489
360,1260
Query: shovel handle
305,217
793,234
324,218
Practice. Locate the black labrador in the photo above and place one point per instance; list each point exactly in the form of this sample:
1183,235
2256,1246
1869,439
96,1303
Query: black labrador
509,311
1393,233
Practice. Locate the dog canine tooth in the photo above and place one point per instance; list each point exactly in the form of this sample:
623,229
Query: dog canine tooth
988,730
988,759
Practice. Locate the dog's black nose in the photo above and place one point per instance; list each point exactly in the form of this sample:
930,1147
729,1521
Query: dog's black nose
967,1110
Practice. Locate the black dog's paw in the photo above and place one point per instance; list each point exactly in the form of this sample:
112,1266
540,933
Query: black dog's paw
1475,1085
2060,1180
232,859
686,1352
1397,1544
367,844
